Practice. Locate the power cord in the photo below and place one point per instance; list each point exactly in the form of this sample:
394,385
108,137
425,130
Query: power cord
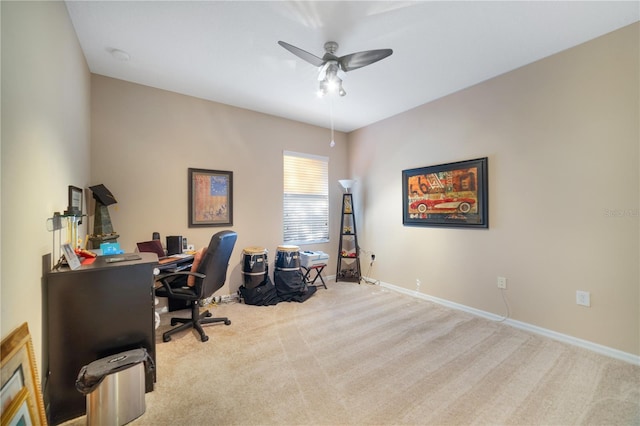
373,259
506,304
368,280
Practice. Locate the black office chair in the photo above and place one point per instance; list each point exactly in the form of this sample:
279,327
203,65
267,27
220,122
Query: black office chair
210,275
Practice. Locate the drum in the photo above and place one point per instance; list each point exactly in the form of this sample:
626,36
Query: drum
288,258
254,266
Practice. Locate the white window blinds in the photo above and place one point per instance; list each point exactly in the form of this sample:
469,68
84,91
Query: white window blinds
306,198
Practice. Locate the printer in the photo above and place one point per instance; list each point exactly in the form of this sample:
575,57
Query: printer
313,258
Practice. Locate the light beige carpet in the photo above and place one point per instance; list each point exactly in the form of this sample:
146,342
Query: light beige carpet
362,355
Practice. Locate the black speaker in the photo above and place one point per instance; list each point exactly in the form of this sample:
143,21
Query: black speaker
174,245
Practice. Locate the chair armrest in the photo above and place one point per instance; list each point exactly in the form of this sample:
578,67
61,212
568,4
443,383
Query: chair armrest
173,274
167,284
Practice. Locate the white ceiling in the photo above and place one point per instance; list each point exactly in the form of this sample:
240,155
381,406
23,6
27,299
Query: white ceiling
227,51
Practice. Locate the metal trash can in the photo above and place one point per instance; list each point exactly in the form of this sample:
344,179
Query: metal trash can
115,388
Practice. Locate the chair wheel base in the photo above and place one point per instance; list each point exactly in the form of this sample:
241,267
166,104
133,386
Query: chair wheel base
191,323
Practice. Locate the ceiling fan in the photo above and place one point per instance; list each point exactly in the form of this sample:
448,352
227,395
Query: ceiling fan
330,64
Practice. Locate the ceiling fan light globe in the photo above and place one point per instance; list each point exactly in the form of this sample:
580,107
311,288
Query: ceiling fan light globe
323,89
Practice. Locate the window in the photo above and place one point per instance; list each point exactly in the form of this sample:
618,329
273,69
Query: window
306,198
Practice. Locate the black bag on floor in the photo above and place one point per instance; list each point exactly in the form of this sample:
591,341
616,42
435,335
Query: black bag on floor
304,294
263,295
291,286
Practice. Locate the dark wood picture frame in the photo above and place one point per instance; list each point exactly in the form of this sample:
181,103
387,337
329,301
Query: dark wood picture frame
210,198
447,195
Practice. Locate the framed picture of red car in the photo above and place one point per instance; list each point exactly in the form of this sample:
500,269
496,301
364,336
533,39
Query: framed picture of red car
447,195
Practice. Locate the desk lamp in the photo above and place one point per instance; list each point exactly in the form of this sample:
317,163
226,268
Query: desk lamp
102,228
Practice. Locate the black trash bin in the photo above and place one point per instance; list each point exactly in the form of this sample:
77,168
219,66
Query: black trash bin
115,387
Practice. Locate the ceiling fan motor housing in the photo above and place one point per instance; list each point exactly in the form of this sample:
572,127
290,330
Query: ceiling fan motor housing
331,47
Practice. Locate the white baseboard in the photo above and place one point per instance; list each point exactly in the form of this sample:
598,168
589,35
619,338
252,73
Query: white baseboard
595,347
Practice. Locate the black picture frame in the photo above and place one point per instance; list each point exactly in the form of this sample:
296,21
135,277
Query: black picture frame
454,195
210,198
74,206
75,199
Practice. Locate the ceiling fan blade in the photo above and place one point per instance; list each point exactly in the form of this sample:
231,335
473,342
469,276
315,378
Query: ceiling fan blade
302,54
362,59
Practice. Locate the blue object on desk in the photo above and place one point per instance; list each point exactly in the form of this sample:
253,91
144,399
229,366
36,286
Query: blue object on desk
111,248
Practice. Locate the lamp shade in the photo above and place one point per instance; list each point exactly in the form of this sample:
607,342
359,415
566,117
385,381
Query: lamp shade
347,184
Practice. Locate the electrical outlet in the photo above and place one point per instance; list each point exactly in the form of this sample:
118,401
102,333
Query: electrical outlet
502,282
583,298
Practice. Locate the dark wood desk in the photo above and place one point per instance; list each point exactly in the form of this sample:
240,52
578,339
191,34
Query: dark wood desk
95,311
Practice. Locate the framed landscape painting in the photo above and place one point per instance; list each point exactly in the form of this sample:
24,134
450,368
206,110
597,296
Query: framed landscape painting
446,195
210,198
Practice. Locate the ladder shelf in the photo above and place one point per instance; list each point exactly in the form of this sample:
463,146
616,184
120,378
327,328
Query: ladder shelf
348,267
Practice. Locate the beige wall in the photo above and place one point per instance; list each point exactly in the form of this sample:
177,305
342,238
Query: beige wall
562,140
547,129
45,148
145,139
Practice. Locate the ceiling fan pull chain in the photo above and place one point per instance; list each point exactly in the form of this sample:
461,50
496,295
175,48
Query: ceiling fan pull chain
333,143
